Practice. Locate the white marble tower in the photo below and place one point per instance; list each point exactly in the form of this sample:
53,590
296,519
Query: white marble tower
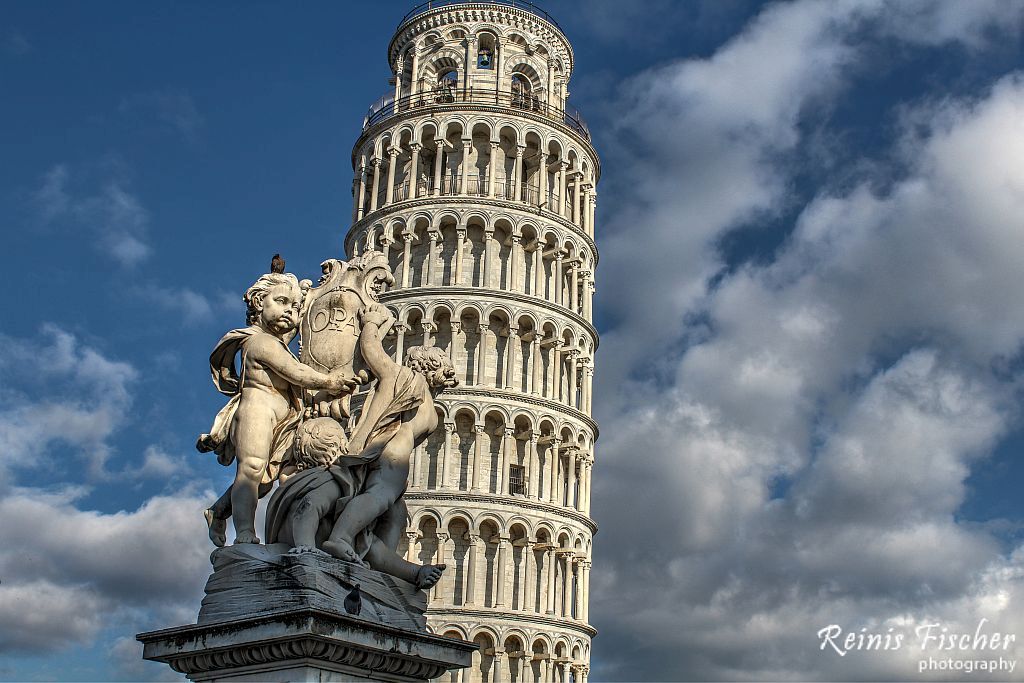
477,181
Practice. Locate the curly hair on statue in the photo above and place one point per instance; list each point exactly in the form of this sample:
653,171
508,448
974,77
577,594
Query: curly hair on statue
254,295
427,359
319,442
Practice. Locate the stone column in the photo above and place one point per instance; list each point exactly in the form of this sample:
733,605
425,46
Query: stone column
555,457
471,570
505,457
443,456
442,558
485,335
503,559
399,68
432,257
464,184
460,248
389,194
542,181
570,462
551,83
590,466
538,269
584,482
399,342
574,285
428,327
526,580
587,298
532,466
517,174
414,80
535,378
488,259
406,259
549,560
510,356
375,185
361,208
414,181
593,211
410,553
438,168
584,615
588,387
515,255
572,379
577,598
492,167
585,212
496,666
562,166
558,279
414,467
478,445
556,355
576,196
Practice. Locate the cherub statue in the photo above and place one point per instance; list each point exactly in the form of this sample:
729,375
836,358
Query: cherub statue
303,510
257,425
398,417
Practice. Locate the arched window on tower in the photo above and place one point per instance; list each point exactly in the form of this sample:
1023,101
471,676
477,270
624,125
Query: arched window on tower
522,92
447,82
485,51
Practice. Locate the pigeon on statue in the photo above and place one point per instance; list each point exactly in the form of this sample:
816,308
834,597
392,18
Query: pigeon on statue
277,264
354,601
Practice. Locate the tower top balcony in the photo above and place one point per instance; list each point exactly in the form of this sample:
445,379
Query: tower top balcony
498,45
431,5
444,96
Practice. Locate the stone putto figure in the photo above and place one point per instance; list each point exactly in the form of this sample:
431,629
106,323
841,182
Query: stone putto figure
341,473
256,426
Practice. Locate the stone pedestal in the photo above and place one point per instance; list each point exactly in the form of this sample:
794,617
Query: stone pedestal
270,615
304,645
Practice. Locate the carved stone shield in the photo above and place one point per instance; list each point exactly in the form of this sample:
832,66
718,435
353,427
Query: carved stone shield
329,325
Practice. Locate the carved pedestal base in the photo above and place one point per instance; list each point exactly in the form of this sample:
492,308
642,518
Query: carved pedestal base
304,644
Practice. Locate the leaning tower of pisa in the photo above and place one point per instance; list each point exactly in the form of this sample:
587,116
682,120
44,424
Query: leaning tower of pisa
477,180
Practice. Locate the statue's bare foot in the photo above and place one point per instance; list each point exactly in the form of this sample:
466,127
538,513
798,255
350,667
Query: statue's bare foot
303,549
428,575
246,537
218,528
342,550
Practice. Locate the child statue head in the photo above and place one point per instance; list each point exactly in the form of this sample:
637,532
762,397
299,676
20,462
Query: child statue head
273,302
319,442
434,364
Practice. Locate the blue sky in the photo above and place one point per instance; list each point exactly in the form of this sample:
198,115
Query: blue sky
810,371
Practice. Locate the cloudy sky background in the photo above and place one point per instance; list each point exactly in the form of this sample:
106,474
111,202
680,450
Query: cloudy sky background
810,374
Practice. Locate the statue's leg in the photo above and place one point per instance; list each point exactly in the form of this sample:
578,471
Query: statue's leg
384,486
392,523
305,515
252,452
383,559
217,518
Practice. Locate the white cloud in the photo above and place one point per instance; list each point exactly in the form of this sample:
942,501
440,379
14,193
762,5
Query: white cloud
800,454
193,308
81,570
57,391
109,211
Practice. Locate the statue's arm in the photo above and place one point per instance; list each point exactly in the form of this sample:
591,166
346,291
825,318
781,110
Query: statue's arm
373,352
276,358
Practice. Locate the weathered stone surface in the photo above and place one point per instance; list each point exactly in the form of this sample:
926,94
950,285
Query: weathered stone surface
250,580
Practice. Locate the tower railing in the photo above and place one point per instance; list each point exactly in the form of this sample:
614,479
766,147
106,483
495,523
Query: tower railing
425,7
476,186
387,107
